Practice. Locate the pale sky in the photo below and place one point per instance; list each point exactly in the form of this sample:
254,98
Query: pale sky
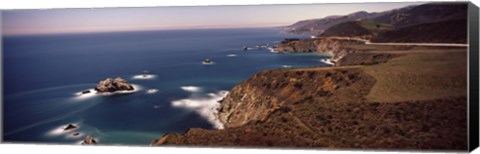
54,21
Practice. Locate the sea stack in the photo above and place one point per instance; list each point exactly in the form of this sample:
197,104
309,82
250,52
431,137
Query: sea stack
69,127
89,140
113,85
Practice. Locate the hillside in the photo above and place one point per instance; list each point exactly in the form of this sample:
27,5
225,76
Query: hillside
427,23
392,19
426,13
347,107
450,31
317,26
347,29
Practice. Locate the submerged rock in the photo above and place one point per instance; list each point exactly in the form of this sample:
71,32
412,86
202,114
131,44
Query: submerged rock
89,140
113,85
86,92
69,127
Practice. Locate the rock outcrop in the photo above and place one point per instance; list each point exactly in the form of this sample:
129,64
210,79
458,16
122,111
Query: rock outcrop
268,91
113,85
69,127
89,140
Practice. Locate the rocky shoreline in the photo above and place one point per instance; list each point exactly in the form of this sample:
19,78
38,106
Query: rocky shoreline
338,48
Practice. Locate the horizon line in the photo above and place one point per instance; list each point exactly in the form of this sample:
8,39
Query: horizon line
134,30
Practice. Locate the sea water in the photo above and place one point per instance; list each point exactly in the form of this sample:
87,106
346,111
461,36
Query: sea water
44,75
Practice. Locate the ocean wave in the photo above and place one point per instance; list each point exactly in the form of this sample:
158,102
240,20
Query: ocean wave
81,95
72,136
327,61
151,91
206,106
144,76
50,89
60,130
191,88
232,55
93,92
56,118
272,50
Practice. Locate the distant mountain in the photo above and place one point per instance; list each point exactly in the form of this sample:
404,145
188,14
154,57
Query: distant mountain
433,22
426,13
450,31
347,29
317,26
356,24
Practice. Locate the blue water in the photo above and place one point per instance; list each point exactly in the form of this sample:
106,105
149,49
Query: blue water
42,75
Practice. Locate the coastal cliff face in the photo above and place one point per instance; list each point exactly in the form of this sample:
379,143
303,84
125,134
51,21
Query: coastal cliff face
345,52
274,107
267,91
337,47
326,107
246,103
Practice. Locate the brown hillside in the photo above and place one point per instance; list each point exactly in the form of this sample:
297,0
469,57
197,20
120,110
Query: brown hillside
334,107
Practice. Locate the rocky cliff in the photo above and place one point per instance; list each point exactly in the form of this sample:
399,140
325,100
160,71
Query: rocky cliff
326,107
268,91
275,107
331,45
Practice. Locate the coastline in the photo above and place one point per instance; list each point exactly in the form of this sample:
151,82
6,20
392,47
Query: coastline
271,102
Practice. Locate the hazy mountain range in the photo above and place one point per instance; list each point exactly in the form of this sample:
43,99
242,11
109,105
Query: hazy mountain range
437,22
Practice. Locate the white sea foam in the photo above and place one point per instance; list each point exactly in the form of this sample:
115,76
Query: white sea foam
232,55
206,107
136,88
151,91
287,66
93,92
61,130
191,88
327,61
272,50
144,76
70,135
80,95
210,63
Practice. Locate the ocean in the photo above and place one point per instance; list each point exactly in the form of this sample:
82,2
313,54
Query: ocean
44,74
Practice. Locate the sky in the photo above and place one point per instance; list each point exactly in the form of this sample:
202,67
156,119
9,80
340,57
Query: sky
56,21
